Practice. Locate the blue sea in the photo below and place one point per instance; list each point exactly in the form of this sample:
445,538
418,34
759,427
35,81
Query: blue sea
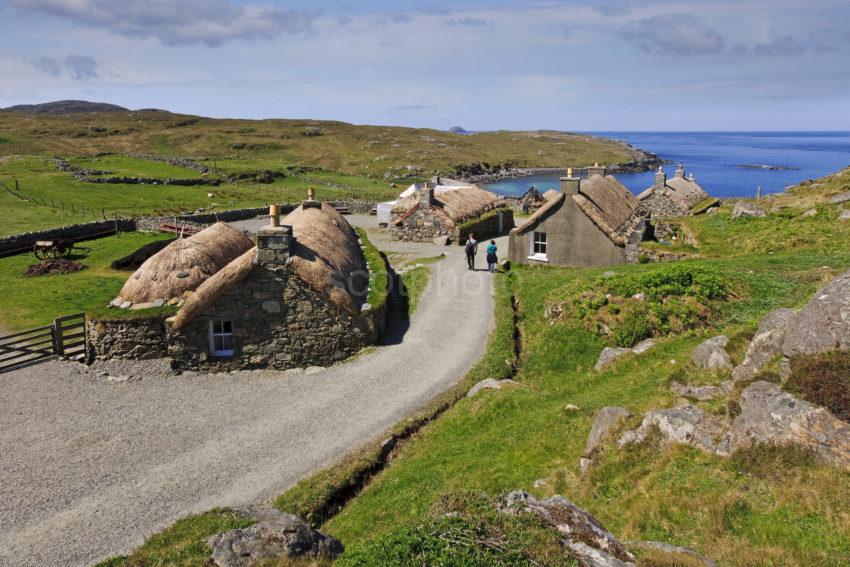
715,159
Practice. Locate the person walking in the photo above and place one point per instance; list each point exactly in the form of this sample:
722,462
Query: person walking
471,250
491,256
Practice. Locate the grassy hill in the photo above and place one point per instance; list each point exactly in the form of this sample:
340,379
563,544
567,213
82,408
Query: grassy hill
250,162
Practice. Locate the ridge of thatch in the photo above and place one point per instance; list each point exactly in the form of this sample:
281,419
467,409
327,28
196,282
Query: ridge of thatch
456,204
185,264
325,254
215,287
532,221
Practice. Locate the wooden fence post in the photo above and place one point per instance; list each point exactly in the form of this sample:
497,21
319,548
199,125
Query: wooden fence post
58,346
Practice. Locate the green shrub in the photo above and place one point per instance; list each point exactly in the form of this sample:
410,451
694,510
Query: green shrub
634,328
463,529
823,379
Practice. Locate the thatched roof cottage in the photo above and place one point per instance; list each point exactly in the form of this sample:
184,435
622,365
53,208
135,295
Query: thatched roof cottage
448,209
590,222
296,298
672,198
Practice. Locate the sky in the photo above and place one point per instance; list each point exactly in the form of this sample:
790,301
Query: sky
607,65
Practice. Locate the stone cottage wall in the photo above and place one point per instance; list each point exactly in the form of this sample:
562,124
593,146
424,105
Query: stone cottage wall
420,226
278,322
657,208
140,338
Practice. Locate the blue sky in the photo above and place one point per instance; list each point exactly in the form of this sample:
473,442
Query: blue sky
581,65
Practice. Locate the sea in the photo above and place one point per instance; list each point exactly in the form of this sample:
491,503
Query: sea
716,160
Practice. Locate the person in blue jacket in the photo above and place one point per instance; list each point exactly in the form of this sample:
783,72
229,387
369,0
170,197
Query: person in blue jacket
491,256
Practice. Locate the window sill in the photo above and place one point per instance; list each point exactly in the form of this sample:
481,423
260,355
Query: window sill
222,354
539,258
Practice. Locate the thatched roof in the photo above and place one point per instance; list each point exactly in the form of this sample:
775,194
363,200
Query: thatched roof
607,203
551,204
325,255
551,193
604,200
185,264
454,204
532,197
685,192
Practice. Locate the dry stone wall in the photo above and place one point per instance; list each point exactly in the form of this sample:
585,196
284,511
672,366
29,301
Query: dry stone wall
139,338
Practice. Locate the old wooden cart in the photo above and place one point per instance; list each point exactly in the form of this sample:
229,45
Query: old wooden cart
52,249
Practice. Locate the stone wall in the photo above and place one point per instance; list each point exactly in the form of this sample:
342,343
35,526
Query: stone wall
422,225
486,226
139,338
278,322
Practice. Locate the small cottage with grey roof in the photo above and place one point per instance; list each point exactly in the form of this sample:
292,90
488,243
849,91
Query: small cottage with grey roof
671,199
590,222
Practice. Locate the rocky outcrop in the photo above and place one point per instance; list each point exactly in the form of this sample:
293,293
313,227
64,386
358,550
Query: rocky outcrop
281,536
610,354
770,415
701,393
823,324
490,384
711,355
744,209
766,344
607,420
584,536
687,425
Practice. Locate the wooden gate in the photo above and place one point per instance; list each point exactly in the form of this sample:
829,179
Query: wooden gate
66,337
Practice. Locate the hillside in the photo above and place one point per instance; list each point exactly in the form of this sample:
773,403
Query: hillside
65,107
377,151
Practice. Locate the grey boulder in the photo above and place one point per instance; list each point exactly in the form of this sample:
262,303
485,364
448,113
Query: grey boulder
744,209
282,536
610,354
711,355
823,324
586,539
490,384
771,416
607,420
686,425
701,393
766,344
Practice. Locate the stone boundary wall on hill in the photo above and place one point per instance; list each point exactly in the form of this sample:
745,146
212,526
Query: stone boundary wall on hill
21,243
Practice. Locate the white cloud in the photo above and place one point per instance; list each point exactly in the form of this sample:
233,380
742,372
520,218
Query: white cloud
210,22
674,34
78,67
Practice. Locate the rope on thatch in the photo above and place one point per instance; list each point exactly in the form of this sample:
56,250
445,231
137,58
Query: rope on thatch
185,264
215,287
552,204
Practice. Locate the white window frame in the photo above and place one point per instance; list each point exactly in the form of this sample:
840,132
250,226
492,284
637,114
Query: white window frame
217,330
535,242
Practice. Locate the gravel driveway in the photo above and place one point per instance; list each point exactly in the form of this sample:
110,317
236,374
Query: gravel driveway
92,467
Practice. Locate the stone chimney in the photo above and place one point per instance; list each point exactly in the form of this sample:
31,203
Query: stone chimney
680,171
274,241
596,169
660,178
570,184
426,195
311,202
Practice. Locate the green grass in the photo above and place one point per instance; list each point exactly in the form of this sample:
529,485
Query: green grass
33,301
124,166
506,439
378,275
182,544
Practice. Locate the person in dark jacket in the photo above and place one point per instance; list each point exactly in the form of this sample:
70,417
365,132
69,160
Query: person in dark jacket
471,250
492,259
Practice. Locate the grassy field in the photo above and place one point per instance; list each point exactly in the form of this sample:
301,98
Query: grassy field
32,301
258,161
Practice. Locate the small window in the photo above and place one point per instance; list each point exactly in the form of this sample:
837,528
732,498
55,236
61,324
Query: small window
221,338
538,246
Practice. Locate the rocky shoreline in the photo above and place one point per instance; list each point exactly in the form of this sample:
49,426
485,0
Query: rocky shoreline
642,161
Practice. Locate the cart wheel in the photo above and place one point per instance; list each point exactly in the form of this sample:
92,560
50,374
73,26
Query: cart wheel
39,253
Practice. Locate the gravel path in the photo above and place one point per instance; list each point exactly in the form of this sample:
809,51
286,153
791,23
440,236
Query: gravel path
91,466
